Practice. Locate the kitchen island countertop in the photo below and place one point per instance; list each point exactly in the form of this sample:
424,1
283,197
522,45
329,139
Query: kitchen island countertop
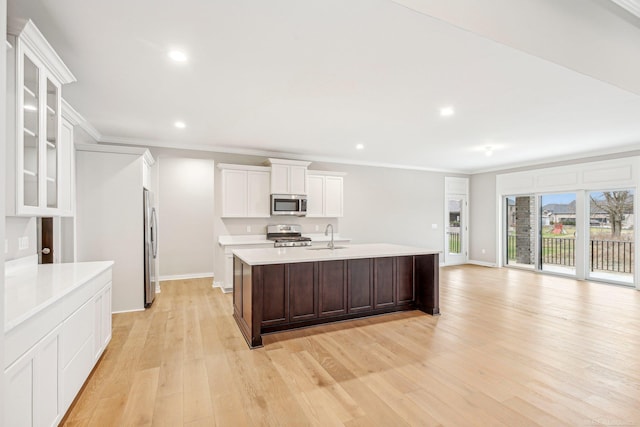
268,256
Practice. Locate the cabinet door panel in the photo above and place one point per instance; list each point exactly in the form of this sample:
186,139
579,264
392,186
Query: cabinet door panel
106,316
47,382
274,294
384,283
19,395
303,291
333,288
333,196
315,198
234,193
404,279
280,179
360,285
298,177
258,200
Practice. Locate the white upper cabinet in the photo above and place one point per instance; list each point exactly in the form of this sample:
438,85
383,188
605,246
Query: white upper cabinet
36,157
245,191
325,198
288,176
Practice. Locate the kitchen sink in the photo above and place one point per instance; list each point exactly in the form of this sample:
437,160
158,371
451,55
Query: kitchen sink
325,248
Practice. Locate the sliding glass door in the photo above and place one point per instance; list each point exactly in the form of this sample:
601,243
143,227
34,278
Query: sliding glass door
558,231
586,234
611,236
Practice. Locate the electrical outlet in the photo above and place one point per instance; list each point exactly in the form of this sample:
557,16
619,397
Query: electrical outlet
6,246
248,229
483,251
317,228
434,226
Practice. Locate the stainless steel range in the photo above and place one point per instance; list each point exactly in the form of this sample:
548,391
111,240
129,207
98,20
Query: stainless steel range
287,235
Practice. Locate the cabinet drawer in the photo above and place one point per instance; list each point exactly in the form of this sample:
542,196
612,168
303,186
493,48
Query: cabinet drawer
75,332
76,373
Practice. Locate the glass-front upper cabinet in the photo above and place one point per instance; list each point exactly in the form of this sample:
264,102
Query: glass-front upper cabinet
36,75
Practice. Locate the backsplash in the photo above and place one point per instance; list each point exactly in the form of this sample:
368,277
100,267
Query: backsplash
244,226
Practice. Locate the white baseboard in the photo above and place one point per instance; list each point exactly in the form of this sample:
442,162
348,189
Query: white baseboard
127,311
218,284
185,276
482,263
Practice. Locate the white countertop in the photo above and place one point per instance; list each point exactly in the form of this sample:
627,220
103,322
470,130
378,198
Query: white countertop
261,239
30,289
290,255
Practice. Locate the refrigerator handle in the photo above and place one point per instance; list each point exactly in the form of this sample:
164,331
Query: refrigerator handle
154,228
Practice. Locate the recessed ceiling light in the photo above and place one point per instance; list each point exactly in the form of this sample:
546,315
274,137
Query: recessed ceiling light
177,55
488,151
180,125
447,111
30,107
359,146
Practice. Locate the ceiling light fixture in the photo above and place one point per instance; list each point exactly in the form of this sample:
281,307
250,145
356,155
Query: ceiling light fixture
177,55
488,151
359,146
447,111
180,125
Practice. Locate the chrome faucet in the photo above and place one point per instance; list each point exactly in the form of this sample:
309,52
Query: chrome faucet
330,245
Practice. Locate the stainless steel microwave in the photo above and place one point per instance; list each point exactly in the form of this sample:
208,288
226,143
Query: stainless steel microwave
289,204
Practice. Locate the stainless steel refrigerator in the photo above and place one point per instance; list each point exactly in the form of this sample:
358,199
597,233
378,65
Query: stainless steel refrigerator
150,248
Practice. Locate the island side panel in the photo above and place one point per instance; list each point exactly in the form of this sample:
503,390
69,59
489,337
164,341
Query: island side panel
427,289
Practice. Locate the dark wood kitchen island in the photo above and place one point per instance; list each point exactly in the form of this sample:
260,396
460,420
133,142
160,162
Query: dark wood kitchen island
276,289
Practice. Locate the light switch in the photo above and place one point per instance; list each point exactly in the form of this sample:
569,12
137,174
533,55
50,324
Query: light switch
434,226
23,243
317,228
6,246
248,229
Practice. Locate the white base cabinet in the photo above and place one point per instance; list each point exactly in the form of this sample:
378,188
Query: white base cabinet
51,353
32,385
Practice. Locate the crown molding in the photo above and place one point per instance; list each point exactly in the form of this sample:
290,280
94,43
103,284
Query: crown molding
265,153
31,37
77,119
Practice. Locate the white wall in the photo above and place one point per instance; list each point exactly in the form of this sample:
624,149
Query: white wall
482,213
185,199
109,221
3,141
17,228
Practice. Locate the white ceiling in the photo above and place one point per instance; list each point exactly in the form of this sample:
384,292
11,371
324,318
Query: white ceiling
311,79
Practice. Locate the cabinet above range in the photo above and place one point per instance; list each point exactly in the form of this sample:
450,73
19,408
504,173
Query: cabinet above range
246,190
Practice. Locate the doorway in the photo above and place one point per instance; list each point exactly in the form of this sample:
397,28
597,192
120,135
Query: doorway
456,230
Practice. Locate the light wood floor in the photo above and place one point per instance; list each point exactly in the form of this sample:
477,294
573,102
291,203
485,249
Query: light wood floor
512,348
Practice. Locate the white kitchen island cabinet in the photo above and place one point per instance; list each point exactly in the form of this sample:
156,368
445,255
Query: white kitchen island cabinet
51,326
